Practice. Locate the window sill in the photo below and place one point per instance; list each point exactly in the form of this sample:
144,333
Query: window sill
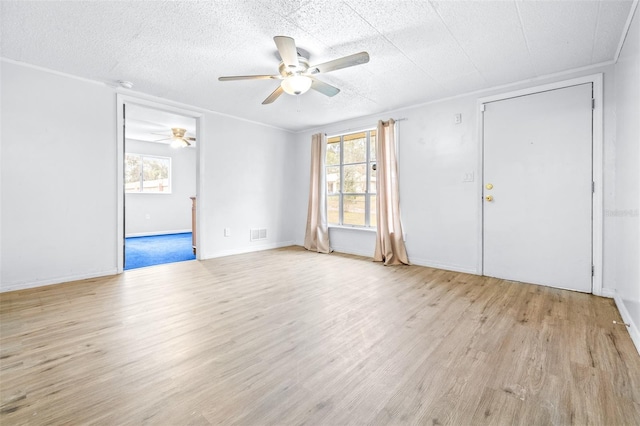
353,228
148,193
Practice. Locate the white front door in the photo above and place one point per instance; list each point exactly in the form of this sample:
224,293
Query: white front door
537,223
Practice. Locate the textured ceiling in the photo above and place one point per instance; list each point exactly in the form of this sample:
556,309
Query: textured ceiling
420,50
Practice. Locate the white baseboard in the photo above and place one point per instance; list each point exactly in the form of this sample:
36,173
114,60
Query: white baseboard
413,261
151,234
626,317
356,252
445,266
60,280
608,293
246,249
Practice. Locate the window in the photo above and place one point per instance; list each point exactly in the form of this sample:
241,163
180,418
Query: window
147,174
351,179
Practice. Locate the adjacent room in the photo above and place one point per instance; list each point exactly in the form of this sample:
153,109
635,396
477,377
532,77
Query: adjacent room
159,186
320,212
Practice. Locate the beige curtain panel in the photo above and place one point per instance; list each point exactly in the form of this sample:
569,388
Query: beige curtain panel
390,247
316,237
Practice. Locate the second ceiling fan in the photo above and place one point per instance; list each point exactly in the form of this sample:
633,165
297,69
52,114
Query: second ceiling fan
178,138
296,75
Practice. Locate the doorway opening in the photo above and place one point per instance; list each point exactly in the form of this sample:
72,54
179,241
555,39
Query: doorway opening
158,154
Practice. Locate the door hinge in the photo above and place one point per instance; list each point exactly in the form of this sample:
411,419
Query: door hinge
593,187
593,270
593,103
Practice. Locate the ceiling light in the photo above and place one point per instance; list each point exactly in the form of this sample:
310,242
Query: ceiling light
296,84
178,143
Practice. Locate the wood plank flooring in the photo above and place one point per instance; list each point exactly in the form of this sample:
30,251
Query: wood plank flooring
289,337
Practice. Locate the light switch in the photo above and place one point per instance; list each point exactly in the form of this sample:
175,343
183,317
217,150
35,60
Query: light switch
457,119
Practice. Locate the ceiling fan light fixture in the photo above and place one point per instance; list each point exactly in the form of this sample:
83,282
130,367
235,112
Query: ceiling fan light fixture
296,84
179,143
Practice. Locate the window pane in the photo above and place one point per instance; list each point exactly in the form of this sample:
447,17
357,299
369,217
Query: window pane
354,209
372,211
333,209
355,178
132,173
155,174
372,176
372,145
333,151
333,180
355,148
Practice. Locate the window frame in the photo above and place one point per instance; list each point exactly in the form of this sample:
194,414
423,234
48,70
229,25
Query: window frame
142,157
341,194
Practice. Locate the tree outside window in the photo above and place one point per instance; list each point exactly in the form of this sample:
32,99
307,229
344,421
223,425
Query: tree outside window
147,174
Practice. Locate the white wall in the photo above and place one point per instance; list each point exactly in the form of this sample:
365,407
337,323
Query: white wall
624,214
152,214
247,179
58,178
58,201
440,211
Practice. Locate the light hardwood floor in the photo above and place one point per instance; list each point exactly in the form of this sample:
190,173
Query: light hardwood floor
291,337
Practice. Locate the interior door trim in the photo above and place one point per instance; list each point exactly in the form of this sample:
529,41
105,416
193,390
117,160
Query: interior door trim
597,167
169,106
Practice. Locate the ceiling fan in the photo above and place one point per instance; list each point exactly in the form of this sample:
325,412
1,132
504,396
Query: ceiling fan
178,139
296,76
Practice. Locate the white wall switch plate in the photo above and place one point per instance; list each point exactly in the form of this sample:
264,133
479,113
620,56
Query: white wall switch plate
227,232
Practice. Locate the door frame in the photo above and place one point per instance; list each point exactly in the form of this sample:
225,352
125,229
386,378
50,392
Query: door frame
167,106
597,167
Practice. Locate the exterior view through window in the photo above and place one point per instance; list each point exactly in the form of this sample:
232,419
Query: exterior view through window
351,179
147,174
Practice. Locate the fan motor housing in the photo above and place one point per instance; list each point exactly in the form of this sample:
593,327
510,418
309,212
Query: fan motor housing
303,66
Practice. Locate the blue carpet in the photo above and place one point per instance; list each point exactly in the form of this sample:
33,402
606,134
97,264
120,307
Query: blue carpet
156,250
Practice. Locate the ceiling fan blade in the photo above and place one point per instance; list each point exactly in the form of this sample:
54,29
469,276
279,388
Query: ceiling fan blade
165,139
288,51
324,88
273,96
344,62
190,138
249,77
186,142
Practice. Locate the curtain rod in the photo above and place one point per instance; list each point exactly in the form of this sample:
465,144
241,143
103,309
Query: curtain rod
362,129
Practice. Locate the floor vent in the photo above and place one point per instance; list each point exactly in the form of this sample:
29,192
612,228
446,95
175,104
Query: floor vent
258,234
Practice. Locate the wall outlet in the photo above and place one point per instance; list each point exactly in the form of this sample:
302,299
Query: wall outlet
468,177
457,119
147,216
227,232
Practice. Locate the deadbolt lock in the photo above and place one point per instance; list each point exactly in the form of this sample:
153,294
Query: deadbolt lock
489,186
489,198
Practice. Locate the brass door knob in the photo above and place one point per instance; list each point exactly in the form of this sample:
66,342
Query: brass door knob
489,198
489,186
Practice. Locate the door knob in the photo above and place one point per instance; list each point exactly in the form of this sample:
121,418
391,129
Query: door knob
489,186
489,198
